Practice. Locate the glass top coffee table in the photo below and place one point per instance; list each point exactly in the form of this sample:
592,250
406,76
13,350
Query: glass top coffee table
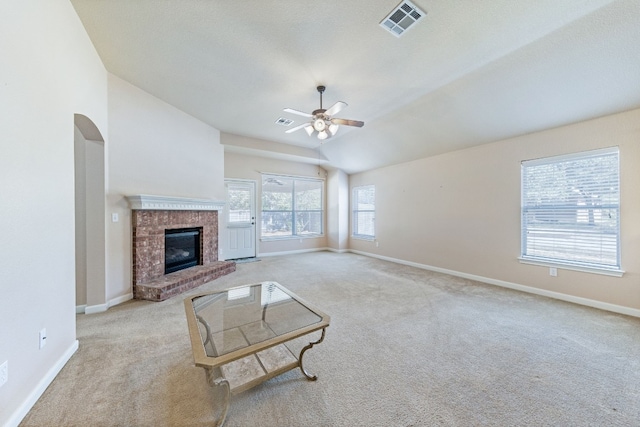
244,336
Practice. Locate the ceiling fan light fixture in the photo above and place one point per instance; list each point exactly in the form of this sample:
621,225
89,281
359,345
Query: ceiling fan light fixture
309,130
333,129
323,135
319,125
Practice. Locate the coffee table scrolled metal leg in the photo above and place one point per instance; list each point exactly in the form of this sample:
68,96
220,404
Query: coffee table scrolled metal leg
311,344
220,387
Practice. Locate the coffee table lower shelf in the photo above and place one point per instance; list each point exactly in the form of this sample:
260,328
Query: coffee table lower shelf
242,374
245,373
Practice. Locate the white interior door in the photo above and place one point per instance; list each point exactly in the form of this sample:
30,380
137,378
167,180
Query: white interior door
241,219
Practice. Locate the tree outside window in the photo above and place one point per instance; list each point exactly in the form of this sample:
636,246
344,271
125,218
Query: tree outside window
292,207
570,209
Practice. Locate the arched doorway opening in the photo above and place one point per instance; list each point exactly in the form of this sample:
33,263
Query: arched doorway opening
89,161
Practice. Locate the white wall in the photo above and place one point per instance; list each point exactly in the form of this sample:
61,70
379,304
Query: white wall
80,168
338,210
242,166
461,211
155,149
49,71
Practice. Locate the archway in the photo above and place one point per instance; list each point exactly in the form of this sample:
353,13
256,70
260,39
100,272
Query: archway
89,160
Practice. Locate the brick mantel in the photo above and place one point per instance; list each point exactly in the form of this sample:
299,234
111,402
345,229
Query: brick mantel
151,216
166,203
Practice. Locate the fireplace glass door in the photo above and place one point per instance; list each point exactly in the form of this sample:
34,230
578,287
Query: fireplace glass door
181,249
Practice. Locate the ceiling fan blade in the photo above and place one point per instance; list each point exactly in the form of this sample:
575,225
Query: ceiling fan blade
296,128
347,122
335,108
300,113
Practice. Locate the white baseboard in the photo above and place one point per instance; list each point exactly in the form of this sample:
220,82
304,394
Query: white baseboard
301,251
338,251
42,385
529,289
92,309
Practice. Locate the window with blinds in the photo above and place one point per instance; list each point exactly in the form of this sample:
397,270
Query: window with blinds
364,212
571,210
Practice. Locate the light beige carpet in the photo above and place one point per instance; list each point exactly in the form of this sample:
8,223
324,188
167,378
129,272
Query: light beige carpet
406,347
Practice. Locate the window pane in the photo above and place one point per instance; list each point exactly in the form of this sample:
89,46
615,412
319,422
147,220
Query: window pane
365,198
308,222
364,211
570,209
239,204
277,224
291,206
277,194
308,195
365,223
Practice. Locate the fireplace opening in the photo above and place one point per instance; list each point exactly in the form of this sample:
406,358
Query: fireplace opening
181,249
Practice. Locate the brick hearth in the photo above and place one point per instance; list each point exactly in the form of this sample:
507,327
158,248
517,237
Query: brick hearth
176,283
148,226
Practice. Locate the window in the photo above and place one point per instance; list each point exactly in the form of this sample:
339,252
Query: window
239,202
570,210
364,212
292,207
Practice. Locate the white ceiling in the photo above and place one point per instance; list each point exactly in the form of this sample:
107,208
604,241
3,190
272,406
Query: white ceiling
470,72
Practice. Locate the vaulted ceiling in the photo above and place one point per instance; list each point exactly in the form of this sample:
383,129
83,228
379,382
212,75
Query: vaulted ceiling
469,72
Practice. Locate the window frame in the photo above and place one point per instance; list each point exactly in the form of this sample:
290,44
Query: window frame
294,211
355,211
575,229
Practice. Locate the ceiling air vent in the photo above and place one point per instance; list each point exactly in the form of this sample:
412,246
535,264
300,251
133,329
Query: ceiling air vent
284,122
402,18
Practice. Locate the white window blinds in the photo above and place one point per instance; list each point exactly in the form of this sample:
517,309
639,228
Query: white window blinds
570,209
364,211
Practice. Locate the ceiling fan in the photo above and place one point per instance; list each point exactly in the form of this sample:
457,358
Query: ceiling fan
322,121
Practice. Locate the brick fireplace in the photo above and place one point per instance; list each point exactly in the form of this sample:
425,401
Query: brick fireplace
151,216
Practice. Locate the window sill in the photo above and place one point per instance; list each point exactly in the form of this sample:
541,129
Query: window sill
276,238
568,266
368,238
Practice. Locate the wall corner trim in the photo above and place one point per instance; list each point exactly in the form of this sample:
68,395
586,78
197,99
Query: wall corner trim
42,385
92,309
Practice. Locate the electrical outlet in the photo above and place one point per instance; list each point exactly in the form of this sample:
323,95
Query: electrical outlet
43,337
553,271
4,372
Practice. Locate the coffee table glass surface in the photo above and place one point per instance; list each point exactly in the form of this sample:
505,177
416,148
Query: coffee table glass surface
241,320
246,334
